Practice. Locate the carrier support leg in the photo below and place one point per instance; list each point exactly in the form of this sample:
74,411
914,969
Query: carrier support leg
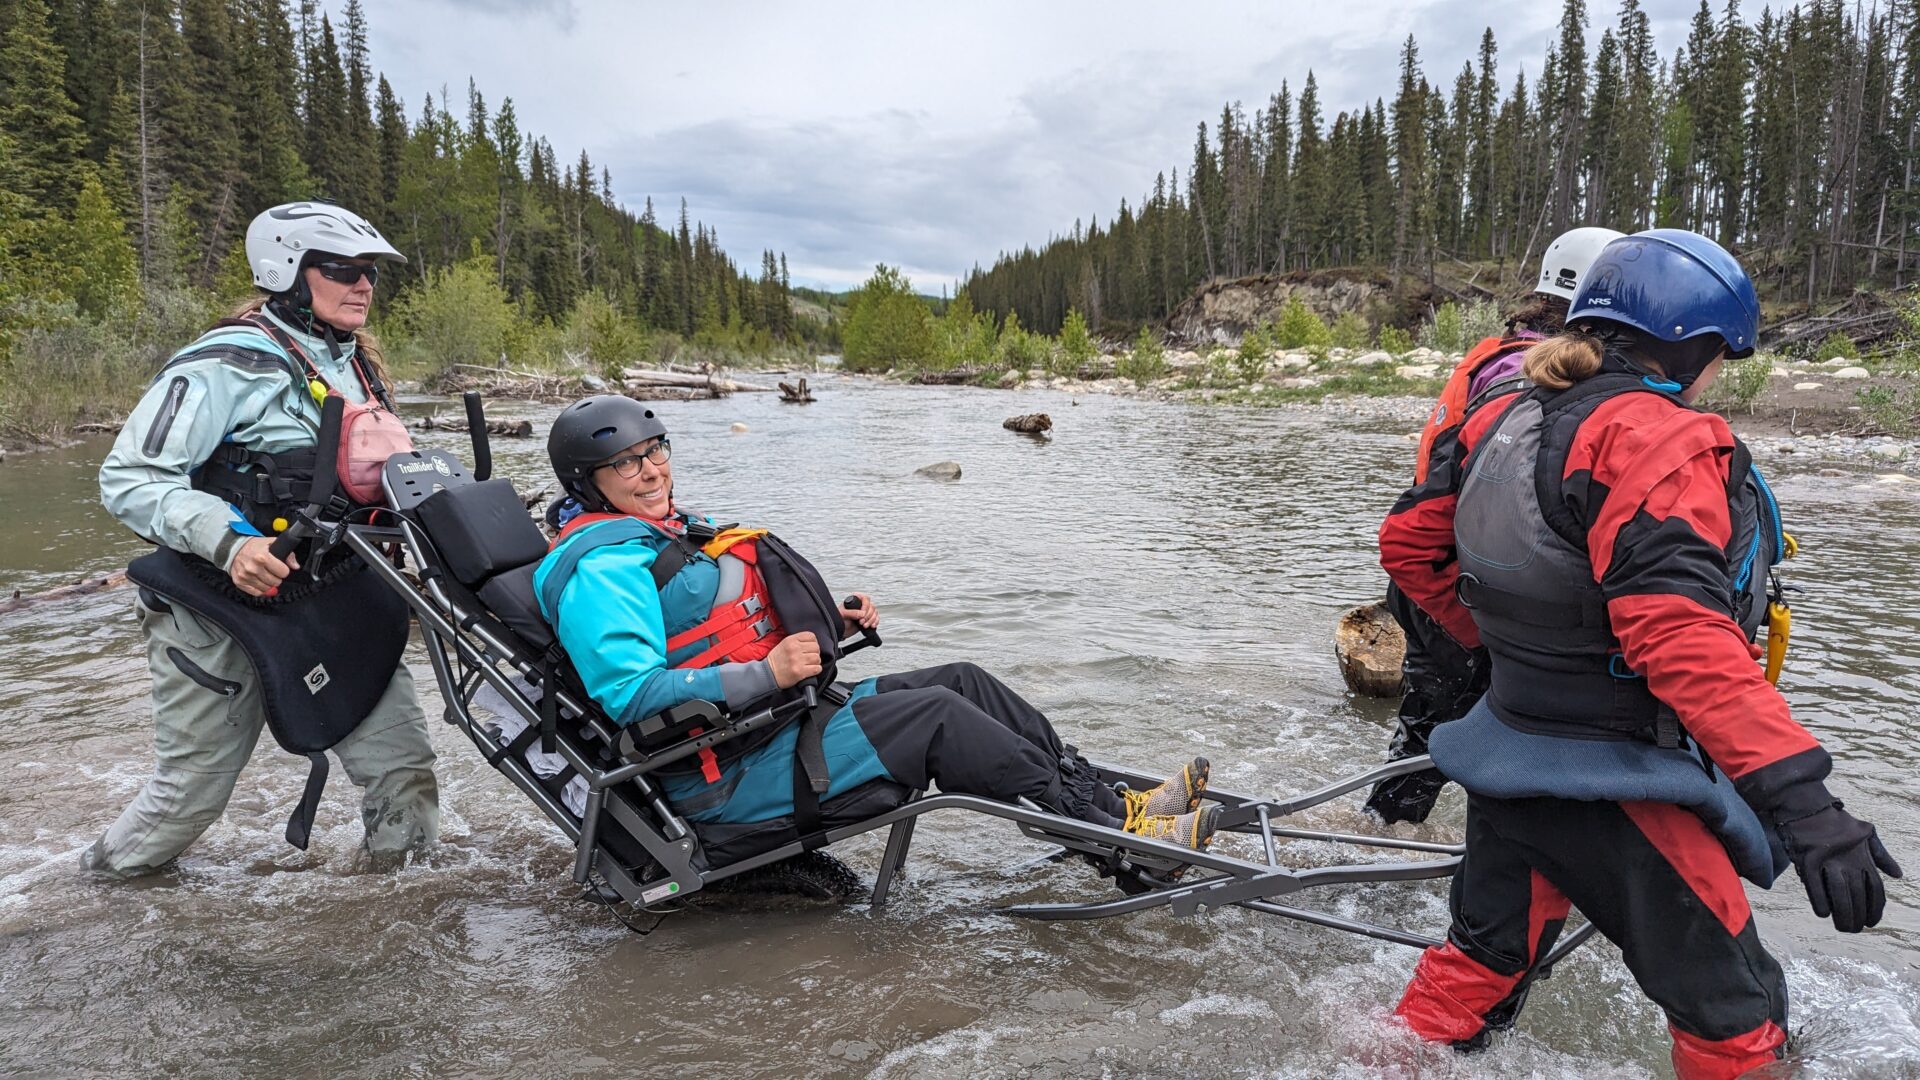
899,838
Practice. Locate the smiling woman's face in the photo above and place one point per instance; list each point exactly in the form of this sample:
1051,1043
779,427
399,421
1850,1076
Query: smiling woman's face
648,493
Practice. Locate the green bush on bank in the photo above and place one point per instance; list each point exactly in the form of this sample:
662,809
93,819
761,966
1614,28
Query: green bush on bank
1740,383
1147,360
1300,328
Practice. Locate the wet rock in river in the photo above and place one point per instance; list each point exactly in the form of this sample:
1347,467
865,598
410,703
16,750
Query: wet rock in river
1030,423
738,428
939,470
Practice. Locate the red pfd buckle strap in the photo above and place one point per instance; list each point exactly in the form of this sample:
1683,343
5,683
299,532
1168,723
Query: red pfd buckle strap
709,764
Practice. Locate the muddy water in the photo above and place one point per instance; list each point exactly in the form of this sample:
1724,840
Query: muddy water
1159,578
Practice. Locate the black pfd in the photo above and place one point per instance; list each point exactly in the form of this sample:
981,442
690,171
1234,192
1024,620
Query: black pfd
1526,574
268,488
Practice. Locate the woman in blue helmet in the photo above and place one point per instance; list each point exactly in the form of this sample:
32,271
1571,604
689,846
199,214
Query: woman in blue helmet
1609,545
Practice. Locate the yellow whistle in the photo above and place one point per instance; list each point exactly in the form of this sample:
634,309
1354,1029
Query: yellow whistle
1779,629
319,391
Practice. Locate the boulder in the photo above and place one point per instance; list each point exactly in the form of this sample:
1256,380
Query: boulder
939,470
1417,371
1010,379
1370,646
1888,451
1373,359
1851,373
594,383
1030,423
1808,385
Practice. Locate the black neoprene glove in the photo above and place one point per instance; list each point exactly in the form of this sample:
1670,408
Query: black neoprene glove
1840,858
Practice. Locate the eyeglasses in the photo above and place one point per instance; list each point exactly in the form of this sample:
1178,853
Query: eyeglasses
349,273
628,466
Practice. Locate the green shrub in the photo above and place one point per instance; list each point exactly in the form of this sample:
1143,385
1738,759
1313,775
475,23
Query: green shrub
963,338
1891,411
1836,345
1350,331
1147,360
601,334
1446,329
887,325
1300,328
1076,344
458,315
64,370
1394,340
1256,347
1741,382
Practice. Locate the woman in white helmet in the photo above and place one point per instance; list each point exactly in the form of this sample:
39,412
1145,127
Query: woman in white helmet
1443,679
211,463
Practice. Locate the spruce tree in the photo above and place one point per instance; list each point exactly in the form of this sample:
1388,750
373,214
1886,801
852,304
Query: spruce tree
36,115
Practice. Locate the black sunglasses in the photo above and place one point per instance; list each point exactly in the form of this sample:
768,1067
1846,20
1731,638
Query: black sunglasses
628,467
349,273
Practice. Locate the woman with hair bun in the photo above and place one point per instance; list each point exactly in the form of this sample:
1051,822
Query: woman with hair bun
1609,545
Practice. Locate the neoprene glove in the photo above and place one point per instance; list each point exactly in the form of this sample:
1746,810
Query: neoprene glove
1840,858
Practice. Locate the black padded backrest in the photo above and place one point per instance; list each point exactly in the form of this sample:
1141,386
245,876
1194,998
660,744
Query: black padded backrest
480,530
509,595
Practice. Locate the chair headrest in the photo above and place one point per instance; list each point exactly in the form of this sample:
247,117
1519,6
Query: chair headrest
481,529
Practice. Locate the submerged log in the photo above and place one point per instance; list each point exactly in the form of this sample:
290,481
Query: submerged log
64,592
1030,424
1370,647
512,429
796,393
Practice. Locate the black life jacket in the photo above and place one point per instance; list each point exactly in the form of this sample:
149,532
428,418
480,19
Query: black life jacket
1526,574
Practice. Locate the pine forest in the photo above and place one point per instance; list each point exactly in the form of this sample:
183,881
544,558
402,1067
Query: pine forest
1792,138
138,137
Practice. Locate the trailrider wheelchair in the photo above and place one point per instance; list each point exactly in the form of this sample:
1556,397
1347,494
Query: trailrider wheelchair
461,549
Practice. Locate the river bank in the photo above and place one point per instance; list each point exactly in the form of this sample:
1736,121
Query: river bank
1839,406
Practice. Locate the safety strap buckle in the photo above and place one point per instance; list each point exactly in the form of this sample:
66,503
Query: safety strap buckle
762,627
751,606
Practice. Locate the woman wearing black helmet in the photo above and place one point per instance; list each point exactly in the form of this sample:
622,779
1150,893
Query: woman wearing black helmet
217,457
655,606
1610,546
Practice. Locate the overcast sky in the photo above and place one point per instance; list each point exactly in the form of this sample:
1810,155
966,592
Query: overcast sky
929,136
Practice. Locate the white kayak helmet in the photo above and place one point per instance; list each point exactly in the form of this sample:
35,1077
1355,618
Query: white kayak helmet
1563,269
279,241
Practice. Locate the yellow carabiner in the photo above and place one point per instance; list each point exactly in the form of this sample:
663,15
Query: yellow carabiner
1779,629
1793,546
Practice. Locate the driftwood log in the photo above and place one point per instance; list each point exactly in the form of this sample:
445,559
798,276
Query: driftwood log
639,377
64,592
1030,424
512,429
670,393
796,393
949,377
1370,647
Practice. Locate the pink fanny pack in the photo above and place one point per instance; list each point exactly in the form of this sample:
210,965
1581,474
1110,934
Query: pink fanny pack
369,435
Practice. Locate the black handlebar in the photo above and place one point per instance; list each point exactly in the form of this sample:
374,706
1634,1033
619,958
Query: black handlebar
477,431
326,477
869,638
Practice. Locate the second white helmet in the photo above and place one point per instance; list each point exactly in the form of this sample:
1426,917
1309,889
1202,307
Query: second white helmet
1563,269
278,241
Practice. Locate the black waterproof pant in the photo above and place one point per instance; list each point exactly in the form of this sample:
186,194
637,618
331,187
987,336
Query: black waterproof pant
1655,881
1443,682
959,728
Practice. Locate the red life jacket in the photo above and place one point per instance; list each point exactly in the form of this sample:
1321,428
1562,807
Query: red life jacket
741,626
1450,411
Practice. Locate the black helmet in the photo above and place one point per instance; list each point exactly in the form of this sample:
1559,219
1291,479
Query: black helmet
589,432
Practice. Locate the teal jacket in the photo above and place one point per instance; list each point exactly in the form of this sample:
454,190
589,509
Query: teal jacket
194,405
596,589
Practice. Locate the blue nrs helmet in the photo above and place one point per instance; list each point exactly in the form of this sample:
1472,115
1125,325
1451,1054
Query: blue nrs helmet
1674,285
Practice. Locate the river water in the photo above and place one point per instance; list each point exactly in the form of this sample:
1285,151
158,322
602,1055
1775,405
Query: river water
1162,579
